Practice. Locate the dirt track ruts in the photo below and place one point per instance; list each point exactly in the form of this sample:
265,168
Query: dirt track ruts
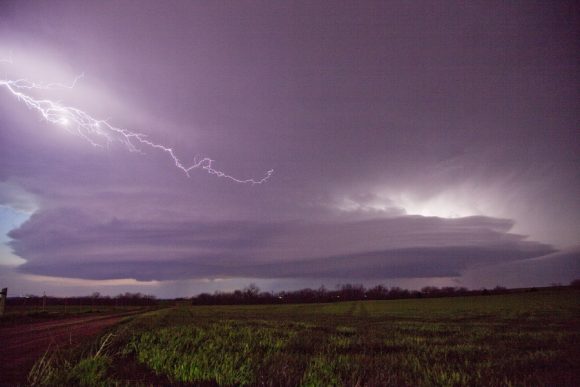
21,345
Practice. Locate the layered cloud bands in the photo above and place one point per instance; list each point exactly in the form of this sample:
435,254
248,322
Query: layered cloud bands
410,141
73,243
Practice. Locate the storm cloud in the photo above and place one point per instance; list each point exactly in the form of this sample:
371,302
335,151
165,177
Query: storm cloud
409,140
399,247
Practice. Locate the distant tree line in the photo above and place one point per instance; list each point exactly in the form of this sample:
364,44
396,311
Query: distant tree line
253,295
95,299
344,292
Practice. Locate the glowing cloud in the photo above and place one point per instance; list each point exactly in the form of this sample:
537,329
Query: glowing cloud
445,205
101,133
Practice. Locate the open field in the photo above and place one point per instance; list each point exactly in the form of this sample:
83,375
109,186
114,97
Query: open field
25,337
515,339
18,314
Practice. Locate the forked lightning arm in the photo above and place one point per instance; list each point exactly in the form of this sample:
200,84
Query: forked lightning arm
100,132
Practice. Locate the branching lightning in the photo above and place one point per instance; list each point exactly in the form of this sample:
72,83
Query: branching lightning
100,132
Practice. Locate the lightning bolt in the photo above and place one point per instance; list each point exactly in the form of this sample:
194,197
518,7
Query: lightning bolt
100,132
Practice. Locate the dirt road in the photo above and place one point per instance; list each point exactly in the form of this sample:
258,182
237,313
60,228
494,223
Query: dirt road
22,345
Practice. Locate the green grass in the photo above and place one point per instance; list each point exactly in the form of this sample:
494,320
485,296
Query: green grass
80,366
515,339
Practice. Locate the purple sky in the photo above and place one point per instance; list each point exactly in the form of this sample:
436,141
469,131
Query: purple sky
413,143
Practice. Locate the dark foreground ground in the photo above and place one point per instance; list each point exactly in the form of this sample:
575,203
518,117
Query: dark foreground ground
514,339
25,339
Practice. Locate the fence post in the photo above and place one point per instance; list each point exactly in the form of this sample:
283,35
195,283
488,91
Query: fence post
3,295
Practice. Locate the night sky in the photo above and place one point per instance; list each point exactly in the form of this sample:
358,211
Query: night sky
413,143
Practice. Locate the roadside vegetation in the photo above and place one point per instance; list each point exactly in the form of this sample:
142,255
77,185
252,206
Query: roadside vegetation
511,339
38,308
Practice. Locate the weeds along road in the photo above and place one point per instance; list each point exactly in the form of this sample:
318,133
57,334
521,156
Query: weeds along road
22,344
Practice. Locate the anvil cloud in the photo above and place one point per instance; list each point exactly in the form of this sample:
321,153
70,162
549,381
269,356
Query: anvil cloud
413,143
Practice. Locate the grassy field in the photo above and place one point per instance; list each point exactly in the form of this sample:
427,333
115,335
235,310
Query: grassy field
515,339
24,314
24,310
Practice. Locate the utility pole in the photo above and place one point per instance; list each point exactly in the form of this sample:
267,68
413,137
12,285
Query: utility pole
3,295
44,301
